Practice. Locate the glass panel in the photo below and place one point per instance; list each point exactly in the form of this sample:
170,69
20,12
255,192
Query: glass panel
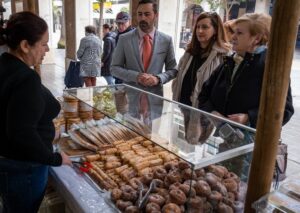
196,136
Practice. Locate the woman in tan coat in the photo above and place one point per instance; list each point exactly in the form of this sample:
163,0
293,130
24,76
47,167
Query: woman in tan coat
203,55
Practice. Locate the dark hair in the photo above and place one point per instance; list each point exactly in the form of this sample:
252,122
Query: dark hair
106,26
23,26
219,38
153,2
90,29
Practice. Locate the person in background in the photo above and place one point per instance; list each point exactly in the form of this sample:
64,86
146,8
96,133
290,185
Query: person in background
233,90
3,47
124,26
89,54
26,113
109,40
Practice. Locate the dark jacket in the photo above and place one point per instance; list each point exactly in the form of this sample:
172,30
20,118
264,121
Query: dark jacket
109,46
243,94
26,112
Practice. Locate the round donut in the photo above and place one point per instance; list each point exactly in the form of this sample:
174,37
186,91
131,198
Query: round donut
211,179
220,188
128,193
156,198
135,183
151,207
174,177
171,166
147,178
202,188
177,196
234,177
174,186
223,208
188,174
162,192
195,202
183,165
200,172
159,183
132,209
122,205
116,194
171,208
188,191
215,197
160,173
230,185
188,182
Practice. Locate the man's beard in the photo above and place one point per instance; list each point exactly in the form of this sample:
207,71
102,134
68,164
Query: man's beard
144,25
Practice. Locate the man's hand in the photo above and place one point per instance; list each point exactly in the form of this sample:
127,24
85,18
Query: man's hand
147,80
239,118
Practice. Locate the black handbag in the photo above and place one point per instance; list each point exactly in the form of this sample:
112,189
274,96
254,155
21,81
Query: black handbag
72,77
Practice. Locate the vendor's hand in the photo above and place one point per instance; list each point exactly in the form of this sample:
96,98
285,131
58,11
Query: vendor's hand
65,159
239,118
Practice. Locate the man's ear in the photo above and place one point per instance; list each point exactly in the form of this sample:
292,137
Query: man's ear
24,46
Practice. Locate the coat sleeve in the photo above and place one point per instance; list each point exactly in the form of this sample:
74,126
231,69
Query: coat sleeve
170,65
119,60
288,111
204,96
106,50
81,49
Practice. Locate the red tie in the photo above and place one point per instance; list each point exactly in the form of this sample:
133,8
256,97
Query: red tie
147,49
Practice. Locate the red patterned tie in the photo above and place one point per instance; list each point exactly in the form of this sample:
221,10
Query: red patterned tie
147,49
144,102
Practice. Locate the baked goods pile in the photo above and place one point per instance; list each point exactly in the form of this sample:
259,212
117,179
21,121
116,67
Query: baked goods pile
130,167
104,101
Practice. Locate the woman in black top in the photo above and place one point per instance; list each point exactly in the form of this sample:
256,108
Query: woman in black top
26,113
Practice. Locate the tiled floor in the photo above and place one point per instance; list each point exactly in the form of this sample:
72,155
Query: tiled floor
53,74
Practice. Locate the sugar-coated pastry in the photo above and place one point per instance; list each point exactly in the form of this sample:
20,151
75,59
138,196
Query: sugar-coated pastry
160,173
122,205
116,194
183,165
132,209
156,198
151,207
178,196
202,188
171,208
223,208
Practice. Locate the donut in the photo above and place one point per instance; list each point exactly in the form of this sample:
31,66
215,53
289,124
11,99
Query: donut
177,196
233,176
132,209
188,182
128,193
174,186
171,208
215,197
174,176
151,207
161,191
188,174
188,191
147,178
116,194
195,202
217,170
200,172
167,182
211,179
202,188
160,173
223,208
135,183
183,165
122,205
220,188
156,198
159,183
231,196
207,207
170,166
230,184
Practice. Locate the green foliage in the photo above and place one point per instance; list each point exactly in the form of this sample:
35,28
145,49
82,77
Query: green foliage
214,4
61,45
198,1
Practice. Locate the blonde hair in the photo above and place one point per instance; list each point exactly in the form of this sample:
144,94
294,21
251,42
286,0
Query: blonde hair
259,24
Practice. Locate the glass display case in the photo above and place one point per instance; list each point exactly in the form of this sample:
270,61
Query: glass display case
218,151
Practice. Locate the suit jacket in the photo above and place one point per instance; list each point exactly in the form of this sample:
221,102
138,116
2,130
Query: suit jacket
127,63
